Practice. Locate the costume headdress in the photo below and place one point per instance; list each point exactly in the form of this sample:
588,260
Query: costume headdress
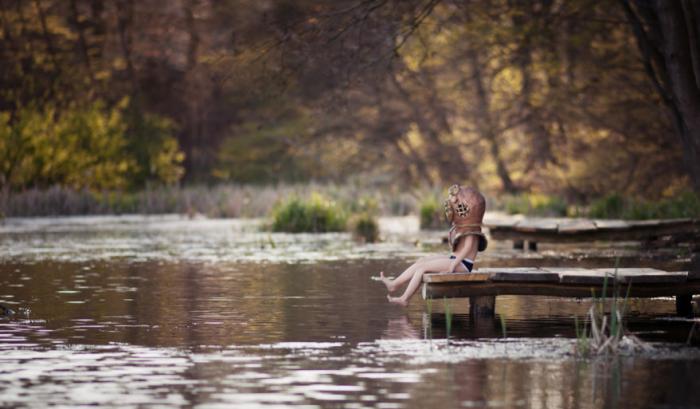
464,209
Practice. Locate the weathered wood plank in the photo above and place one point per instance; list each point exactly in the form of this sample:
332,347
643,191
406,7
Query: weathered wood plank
645,275
575,275
611,224
648,223
506,223
537,225
455,277
577,231
521,274
576,226
566,275
585,277
661,222
453,290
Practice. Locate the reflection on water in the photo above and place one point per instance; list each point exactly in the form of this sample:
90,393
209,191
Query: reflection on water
142,325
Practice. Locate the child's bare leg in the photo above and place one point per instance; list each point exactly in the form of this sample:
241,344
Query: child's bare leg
392,285
435,265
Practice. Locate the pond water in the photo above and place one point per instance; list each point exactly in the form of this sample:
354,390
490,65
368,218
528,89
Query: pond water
174,312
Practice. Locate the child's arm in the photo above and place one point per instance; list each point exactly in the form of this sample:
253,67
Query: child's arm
460,254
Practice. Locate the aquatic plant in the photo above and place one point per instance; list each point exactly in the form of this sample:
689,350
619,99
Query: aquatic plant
448,318
582,340
365,227
691,333
429,324
503,325
316,215
604,332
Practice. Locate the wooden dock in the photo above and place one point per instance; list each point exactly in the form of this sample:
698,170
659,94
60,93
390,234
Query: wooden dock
483,285
535,230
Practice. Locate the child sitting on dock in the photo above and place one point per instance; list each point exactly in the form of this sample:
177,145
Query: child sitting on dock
464,209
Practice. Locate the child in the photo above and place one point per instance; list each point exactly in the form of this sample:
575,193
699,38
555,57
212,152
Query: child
464,209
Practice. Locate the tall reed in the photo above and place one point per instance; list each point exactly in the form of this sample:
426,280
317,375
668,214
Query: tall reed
448,318
503,326
226,200
604,330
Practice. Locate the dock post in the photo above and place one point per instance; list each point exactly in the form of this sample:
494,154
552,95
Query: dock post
684,308
482,306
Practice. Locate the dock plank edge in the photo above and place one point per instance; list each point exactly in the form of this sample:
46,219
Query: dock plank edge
463,290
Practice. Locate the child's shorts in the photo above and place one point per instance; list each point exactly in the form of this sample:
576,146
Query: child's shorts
467,263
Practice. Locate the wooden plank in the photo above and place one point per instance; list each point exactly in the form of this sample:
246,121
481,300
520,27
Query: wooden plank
646,275
498,223
611,224
576,226
661,222
522,274
457,290
455,277
594,230
564,275
537,225
662,277
582,276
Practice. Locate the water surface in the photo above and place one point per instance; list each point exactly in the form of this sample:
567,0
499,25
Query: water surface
173,312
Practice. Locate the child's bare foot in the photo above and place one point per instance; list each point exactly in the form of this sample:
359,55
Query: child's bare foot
397,300
387,282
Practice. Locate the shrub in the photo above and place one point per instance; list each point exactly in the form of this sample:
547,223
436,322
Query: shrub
431,214
365,204
535,204
683,205
608,207
365,227
89,146
315,215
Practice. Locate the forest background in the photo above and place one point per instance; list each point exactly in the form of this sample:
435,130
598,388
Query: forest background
109,104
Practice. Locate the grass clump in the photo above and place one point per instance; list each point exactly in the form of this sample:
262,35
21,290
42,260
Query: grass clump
615,206
431,214
315,215
365,227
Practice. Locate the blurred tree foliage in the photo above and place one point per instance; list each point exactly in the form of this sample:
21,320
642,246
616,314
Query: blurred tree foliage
66,116
78,148
510,95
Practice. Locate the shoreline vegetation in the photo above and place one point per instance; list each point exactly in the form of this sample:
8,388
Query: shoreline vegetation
247,201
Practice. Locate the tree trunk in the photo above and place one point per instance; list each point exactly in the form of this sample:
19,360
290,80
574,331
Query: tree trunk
190,131
667,37
125,20
82,41
453,167
485,122
433,153
679,47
